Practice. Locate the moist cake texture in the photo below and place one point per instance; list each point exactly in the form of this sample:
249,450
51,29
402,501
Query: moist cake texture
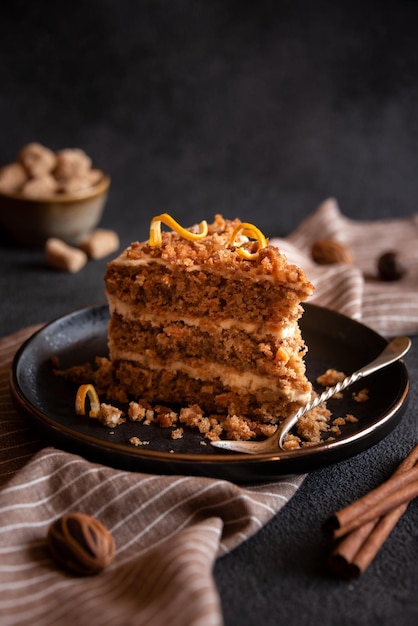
208,317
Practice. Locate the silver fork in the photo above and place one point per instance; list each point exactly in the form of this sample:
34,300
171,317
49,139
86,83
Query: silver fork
394,350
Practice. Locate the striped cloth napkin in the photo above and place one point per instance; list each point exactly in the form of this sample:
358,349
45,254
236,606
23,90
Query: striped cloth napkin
390,308
168,530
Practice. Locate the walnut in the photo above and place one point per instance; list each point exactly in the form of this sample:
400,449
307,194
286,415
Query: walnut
328,251
81,543
390,266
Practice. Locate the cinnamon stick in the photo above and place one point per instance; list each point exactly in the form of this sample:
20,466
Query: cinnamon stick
356,551
395,491
384,500
359,546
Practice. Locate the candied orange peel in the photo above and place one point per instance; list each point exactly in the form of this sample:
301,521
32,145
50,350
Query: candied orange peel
85,392
252,232
155,229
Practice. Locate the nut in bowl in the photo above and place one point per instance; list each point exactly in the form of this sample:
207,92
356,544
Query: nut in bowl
45,194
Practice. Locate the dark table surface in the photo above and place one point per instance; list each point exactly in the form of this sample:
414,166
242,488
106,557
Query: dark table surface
257,110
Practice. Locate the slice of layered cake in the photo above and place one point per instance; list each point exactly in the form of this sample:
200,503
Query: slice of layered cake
208,316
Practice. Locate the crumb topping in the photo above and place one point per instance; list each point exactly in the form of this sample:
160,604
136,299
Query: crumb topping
215,252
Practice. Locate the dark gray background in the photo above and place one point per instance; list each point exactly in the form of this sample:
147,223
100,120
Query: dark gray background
259,110
253,109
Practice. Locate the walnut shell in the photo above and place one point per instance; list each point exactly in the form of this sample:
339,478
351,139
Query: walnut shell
328,251
81,543
391,266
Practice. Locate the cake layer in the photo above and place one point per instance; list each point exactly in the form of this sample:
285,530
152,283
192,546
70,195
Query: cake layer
177,387
280,329
160,345
197,293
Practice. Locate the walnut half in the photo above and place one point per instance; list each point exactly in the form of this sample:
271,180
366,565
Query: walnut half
328,251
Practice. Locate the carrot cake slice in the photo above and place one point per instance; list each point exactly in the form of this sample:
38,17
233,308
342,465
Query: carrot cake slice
208,316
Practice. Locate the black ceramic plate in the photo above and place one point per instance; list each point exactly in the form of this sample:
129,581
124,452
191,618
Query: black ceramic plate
334,341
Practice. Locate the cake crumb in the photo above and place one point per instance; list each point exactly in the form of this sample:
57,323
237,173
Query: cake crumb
362,395
110,415
291,442
135,441
330,377
193,417
177,433
136,411
214,434
165,417
351,419
149,417
238,428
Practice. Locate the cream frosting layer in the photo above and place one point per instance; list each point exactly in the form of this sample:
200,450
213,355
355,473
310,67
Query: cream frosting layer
247,382
129,312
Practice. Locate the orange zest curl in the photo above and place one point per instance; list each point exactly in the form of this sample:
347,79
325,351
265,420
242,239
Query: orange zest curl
84,392
165,218
251,231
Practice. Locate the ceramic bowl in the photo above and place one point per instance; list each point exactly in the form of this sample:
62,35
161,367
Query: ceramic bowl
68,216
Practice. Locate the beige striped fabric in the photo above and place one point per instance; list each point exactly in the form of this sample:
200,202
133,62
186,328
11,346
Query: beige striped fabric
168,530
390,308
